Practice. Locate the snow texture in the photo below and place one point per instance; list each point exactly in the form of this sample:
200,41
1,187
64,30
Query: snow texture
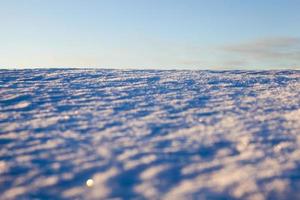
148,134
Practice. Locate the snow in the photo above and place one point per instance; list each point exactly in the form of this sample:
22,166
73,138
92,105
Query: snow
149,134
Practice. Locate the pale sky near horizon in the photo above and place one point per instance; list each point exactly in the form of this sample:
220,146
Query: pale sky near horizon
161,34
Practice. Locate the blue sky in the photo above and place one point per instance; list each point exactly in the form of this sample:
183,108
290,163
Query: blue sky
163,34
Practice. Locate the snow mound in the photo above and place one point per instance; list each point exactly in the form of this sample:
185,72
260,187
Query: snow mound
147,134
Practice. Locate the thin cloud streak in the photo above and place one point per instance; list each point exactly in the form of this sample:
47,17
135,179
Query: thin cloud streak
270,51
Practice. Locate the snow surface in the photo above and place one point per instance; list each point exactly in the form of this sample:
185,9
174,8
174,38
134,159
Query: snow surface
100,134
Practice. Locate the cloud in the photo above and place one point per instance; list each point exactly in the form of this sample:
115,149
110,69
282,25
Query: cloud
265,51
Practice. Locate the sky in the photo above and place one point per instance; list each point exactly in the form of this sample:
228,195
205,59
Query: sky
150,34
